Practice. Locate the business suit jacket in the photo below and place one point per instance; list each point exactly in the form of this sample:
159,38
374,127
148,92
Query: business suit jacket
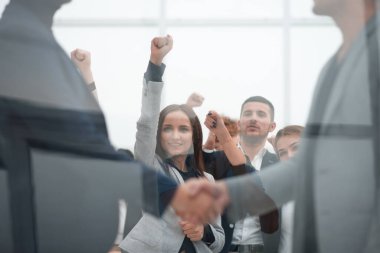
334,166
268,159
271,240
152,234
44,98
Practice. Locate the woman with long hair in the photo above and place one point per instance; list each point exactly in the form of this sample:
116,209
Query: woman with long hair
171,142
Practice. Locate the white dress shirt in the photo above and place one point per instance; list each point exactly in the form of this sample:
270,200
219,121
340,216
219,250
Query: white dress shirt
248,231
287,217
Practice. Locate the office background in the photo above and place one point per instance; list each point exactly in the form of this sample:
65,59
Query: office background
227,50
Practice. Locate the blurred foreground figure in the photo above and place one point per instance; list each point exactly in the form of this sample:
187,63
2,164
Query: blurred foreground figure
334,177
60,178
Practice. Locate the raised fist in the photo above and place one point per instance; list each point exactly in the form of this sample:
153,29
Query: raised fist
195,100
160,46
82,60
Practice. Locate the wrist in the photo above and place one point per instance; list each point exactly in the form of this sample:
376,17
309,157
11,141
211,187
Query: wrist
223,193
209,145
156,61
154,72
91,86
87,76
225,140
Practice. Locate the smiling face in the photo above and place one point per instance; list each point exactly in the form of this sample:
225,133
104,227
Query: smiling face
176,134
256,120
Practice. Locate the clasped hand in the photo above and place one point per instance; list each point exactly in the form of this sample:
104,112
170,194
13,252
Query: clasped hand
199,201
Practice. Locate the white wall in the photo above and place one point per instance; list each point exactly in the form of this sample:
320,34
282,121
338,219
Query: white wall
227,50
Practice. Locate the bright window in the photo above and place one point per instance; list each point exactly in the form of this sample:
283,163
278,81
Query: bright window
227,50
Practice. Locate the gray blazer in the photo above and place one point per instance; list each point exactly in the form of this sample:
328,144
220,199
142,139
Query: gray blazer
340,161
152,234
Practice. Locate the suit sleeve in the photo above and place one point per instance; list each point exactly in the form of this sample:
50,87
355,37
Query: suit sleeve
248,196
220,167
145,145
159,189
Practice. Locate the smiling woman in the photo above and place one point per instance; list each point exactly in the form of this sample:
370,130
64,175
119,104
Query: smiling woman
179,134
171,142
287,141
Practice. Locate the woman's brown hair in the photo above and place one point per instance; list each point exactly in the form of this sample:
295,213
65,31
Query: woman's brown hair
197,161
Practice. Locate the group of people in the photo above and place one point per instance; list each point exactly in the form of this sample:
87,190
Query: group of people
171,142
325,199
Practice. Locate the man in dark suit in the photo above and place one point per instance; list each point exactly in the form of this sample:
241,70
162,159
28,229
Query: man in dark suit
255,123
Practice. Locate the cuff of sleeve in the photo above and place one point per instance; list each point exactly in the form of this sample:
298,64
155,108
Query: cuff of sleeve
91,86
208,236
241,169
154,72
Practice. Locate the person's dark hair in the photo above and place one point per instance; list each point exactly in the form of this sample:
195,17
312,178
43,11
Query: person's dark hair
197,161
288,130
259,99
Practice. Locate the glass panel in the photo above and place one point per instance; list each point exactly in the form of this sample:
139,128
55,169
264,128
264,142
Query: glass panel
225,65
119,60
310,50
110,9
303,9
230,9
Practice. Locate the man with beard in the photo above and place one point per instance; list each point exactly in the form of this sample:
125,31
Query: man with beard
255,123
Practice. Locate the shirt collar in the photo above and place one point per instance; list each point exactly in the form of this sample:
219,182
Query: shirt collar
260,154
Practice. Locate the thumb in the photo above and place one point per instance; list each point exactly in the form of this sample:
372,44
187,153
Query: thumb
80,56
161,42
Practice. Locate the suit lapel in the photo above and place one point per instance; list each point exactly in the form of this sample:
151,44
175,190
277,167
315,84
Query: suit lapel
268,159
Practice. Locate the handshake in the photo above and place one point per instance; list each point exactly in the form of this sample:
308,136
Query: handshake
200,201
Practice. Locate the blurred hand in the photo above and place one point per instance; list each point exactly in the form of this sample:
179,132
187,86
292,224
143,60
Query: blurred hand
82,60
221,195
159,48
114,249
193,231
203,201
195,100
193,202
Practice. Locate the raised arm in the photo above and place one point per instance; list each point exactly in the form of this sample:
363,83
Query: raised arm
82,60
195,100
216,125
147,124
